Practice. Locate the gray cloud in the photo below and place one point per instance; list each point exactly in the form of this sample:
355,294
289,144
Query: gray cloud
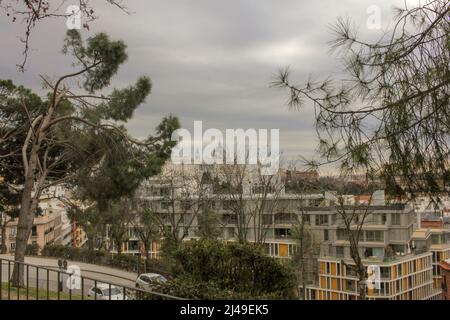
209,60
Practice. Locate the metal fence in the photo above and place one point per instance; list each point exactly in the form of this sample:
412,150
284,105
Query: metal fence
62,283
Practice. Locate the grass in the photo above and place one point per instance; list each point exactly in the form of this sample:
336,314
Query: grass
34,294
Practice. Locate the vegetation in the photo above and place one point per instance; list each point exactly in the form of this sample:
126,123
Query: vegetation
73,136
333,184
102,257
387,117
36,294
217,270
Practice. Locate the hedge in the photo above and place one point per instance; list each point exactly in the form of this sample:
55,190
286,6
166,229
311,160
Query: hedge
101,257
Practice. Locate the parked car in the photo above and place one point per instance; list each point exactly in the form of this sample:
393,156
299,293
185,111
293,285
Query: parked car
105,291
147,280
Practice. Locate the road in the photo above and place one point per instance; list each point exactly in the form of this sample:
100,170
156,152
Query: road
91,272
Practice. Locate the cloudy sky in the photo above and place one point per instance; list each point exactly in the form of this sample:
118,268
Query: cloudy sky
209,60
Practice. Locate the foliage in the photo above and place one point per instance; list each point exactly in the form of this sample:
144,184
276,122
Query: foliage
340,185
214,269
32,249
388,116
101,257
208,224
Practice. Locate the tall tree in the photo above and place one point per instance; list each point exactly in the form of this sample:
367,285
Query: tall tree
112,185
388,116
68,132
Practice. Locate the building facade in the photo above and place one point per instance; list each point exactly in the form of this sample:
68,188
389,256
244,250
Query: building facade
445,284
390,239
46,230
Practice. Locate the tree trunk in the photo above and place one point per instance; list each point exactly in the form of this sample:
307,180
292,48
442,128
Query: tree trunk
119,247
90,243
25,224
302,257
362,288
3,248
362,283
146,249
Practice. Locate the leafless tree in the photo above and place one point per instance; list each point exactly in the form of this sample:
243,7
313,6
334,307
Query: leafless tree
353,220
250,196
305,248
184,196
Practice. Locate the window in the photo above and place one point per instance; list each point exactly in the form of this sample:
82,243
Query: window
342,234
229,219
165,205
374,236
395,217
231,232
321,220
34,231
325,235
350,271
267,219
383,218
435,239
340,252
350,285
186,205
385,272
307,220
282,233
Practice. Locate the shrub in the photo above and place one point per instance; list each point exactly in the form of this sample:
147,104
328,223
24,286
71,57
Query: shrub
32,250
102,257
217,270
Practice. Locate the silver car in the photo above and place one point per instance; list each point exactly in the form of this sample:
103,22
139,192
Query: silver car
104,291
147,280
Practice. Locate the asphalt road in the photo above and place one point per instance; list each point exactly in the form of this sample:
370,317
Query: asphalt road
38,277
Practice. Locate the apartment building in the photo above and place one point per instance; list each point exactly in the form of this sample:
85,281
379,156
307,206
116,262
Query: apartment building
46,230
445,285
133,245
440,248
79,237
407,257
387,241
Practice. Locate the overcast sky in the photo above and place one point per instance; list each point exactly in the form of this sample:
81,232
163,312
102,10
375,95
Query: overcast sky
209,60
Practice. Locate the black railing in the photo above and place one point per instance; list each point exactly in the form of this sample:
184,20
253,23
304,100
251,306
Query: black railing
47,283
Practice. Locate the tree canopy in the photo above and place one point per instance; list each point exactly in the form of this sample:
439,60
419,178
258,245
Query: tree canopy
388,115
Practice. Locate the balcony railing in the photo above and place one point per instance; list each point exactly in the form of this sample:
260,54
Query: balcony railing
46,283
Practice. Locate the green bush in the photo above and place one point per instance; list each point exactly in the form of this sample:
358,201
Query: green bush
218,270
102,257
32,250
